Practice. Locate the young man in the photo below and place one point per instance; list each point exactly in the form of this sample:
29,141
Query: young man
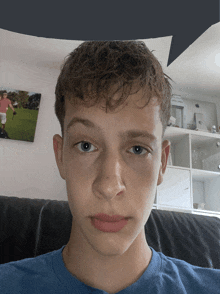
4,103
113,104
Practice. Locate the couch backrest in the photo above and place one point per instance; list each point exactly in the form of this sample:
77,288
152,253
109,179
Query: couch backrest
31,227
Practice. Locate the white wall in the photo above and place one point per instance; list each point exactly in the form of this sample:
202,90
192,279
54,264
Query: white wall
28,169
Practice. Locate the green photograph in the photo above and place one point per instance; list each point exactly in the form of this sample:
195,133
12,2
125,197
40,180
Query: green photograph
18,114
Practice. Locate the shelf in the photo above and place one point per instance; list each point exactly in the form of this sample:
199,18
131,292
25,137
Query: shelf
205,153
178,167
206,190
203,141
175,132
199,174
174,191
192,180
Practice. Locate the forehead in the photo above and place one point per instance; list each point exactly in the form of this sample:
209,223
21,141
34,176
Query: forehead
131,116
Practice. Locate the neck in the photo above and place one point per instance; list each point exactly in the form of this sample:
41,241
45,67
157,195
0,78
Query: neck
109,273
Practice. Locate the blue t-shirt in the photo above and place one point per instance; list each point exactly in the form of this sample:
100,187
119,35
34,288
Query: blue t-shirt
47,274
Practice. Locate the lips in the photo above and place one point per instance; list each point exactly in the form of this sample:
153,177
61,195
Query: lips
108,218
108,224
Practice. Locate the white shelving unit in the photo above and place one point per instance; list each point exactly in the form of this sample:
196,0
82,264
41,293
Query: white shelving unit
192,182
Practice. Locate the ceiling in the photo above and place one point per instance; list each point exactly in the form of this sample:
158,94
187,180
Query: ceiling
194,72
197,69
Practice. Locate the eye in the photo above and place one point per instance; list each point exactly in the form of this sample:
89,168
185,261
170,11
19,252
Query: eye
138,150
85,146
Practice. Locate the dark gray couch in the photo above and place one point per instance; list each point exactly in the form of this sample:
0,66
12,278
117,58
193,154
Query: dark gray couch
30,227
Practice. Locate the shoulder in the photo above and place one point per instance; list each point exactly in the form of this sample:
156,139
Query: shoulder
24,266
8,101
193,278
14,276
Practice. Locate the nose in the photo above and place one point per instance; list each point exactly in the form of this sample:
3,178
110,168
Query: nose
109,181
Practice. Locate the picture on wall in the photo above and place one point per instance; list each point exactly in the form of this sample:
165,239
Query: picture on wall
18,114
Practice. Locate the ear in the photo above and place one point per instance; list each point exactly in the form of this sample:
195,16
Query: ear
58,151
164,157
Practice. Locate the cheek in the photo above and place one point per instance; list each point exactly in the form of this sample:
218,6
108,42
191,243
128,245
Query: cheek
144,190
142,199
78,198
145,170
77,167
143,183
78,184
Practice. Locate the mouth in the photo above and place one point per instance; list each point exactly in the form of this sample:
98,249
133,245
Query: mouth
109,218
107,223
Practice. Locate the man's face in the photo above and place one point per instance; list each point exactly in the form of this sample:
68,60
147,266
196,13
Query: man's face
115,171
4,95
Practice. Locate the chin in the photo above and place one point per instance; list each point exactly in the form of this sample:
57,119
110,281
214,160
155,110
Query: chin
110,244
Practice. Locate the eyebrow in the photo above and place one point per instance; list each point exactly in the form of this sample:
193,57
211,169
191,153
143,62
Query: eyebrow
124,135
136,133
85,122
